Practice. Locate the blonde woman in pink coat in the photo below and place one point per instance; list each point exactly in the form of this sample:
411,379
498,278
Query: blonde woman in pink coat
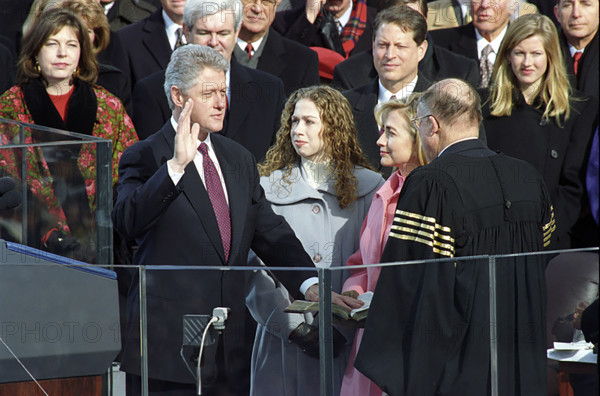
400,147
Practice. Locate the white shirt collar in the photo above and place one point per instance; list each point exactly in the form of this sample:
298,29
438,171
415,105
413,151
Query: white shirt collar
458,141
107,6
174,124
343,20
572,50
406,91
171,29
481,43
465,8
242,44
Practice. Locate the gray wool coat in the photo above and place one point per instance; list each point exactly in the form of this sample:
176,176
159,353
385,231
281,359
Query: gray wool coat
330,235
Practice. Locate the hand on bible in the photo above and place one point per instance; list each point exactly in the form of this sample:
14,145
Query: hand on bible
347,302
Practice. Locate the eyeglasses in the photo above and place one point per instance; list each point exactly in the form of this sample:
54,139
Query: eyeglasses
266,3
417,120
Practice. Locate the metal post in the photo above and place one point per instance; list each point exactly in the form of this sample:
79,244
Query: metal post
104,229
24,188
325,332
493,328
143,331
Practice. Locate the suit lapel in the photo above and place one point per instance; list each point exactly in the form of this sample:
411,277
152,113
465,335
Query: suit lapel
468,43
368,98
156,39
422,83
272,59
196,194
240,82
457,12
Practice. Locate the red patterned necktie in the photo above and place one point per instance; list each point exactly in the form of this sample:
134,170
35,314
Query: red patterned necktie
217,198
249,50
576,57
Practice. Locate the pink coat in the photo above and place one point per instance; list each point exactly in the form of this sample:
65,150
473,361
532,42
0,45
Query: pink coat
373,236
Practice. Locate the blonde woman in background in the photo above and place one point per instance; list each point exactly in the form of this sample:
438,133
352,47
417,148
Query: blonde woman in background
533,114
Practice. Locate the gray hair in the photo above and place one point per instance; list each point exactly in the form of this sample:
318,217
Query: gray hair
453,101
195,9
186,64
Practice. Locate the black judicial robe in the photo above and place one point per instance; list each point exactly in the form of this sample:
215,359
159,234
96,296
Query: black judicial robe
427,332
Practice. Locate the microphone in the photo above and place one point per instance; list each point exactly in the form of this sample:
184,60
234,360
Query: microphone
9,198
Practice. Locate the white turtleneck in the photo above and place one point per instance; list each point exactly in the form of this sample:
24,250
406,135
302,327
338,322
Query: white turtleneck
316,173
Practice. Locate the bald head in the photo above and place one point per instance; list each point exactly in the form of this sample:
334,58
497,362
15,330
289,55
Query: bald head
454,103
451,111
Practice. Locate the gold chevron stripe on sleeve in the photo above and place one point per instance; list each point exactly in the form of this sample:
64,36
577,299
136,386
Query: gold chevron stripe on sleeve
549,228
425,230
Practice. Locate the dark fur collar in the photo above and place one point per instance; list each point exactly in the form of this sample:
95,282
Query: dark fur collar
81,111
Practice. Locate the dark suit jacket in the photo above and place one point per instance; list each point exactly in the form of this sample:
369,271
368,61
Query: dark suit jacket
558,153
437,64
126,12
175,225
460,40
294,25
146,47
252,119
587,76
117,83
363,100
296,65
7,67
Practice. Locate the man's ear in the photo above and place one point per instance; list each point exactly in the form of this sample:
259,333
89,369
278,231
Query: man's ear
422,49
177,97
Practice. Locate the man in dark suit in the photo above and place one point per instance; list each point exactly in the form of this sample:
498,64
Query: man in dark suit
398,46
444,14
437,64
579,40
344,26
479,40
121,13
189,196
255,99
262,48
148,43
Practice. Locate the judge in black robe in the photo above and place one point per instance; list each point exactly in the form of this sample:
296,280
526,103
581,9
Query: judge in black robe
428,331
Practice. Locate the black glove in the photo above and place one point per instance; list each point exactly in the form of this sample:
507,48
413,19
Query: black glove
60,243
9,197
307,338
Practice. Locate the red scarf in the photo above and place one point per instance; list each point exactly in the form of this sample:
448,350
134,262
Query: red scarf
355,26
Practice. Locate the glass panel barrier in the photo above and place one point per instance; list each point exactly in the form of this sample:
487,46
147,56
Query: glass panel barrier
65,183
475,324
59,323
572,287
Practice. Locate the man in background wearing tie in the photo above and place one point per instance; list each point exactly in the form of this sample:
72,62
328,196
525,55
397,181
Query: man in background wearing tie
479,40
261,47
579,21
148,43
399,44
191,197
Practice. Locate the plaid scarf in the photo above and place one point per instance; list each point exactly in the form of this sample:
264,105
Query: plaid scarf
355,26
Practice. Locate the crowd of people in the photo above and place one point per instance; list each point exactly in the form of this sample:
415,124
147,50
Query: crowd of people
314,134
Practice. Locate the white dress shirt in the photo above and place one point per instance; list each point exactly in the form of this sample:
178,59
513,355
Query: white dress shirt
481,43
171,29
176,177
